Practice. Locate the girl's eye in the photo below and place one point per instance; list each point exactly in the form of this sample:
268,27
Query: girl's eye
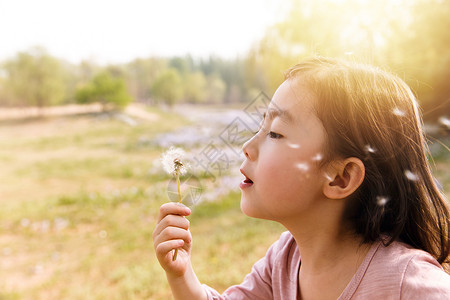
274,135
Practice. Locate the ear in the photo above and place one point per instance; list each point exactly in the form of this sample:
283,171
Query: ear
343,178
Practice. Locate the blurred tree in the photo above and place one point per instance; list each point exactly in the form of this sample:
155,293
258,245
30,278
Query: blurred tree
216,88
168,87
310,27
34,78
86,71
420,51
116,71
140,75
105,89
4,99
351,29
183,65
232,73
195,87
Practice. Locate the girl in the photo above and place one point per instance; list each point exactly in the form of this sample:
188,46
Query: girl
340,161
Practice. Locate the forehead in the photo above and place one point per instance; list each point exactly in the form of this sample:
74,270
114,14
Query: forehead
275,112
290,100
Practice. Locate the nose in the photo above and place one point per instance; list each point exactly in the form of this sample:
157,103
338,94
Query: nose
250,149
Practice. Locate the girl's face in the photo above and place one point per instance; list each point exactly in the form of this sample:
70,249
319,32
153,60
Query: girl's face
282,177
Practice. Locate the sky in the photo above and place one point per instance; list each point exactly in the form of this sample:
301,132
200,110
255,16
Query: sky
118,31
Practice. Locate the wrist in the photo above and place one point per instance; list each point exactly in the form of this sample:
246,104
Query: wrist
186,286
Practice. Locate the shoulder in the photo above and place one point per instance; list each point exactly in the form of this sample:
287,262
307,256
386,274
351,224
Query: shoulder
283,249
411,273
280,264
285,242
272,277
424,277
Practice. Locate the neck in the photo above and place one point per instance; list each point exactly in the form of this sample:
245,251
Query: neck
321,254
326,243
330,253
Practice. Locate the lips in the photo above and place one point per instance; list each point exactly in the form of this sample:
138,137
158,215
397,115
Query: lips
247,182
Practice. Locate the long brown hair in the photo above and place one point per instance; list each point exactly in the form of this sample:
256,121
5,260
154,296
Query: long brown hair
371,114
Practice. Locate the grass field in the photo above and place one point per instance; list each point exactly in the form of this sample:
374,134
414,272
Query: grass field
78,207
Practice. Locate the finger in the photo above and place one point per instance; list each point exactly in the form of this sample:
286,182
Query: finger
173,209
171,221
172,233
164,248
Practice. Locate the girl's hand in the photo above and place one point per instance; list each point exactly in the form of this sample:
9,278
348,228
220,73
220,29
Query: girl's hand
172,232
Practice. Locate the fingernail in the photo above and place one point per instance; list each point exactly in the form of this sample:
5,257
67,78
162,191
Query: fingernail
187,210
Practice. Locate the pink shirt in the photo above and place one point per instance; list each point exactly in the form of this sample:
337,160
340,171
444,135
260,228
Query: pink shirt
394,272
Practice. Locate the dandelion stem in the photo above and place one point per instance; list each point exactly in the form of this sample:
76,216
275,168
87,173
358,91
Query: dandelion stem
178,184
179,201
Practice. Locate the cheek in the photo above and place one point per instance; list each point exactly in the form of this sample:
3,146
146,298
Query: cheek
279,175
291,176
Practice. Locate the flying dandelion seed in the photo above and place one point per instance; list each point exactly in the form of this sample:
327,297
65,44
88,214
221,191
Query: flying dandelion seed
411,176
55,256
328,177
25,222
382,200
398,112
317,157
6,251
293,146
103,234
302,167
37,269
370,149
60,224
45,226
444,121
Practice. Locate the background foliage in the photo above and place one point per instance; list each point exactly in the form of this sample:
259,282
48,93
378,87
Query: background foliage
410,38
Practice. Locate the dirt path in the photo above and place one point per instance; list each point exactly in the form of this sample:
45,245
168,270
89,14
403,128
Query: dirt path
133,110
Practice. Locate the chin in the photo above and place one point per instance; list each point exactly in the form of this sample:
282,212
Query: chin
249,209
246,207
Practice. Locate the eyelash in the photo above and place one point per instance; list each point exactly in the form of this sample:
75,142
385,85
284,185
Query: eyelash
271,134
274,135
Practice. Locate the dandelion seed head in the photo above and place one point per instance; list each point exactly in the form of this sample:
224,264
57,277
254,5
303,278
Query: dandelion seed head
382,200
370,149
398,112
411,176
172,161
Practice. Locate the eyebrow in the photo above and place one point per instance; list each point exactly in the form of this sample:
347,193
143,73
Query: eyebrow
283,114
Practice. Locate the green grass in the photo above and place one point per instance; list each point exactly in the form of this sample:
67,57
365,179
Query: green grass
79,206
